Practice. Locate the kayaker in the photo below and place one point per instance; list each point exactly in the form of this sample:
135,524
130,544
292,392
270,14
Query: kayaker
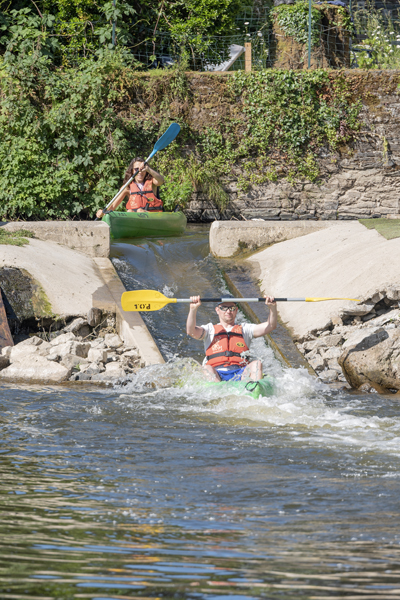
142,191
227,344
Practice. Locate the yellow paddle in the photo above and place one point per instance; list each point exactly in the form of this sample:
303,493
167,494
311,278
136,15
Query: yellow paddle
150,300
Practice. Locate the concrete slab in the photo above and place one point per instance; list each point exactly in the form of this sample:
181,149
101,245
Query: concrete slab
347,260
228,238
130,325
69,278
90,237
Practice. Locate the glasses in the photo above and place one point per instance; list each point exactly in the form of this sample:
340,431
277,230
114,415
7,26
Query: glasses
226,308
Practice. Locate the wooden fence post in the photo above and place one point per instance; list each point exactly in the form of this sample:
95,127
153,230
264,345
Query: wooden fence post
247,57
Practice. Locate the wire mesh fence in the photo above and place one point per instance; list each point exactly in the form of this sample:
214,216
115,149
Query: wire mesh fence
368,38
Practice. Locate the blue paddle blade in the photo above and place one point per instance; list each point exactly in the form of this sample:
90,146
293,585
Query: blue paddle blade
167,138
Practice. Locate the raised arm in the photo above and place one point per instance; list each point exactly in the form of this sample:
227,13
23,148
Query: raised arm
115,204
264,328
158,179
191,328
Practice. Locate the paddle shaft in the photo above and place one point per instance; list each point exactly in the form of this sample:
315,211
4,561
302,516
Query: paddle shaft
242,300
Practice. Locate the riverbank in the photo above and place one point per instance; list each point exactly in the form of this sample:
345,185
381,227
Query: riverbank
342,340
70,303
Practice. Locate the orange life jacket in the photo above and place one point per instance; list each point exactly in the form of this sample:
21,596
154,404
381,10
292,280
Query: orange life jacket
227,347
145,198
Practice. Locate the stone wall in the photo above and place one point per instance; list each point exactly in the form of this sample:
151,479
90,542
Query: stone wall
359,181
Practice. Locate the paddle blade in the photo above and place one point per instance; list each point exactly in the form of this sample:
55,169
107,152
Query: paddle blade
167,138
323,299
144,300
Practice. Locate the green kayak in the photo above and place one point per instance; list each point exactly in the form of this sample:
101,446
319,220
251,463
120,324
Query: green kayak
146,224
263,387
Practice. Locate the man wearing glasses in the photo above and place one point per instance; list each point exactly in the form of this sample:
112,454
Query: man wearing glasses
227,344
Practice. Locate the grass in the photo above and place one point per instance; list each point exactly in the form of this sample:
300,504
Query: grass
15,238
389,228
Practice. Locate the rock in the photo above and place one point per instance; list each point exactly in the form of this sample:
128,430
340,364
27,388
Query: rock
365,387
97,355
328,375
92,369
81,377
78,327
393,293
25,301
31,341
99,343
61,339
6,351
115,370
72,361
112,340
316,362
392,315
35,370
19,352
377,296
315,344
331,353
375,360
94,317
336,320
78,348
358,335
333,340
4,362
358,310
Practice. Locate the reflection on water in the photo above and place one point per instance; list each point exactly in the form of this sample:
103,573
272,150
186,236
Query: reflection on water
166,488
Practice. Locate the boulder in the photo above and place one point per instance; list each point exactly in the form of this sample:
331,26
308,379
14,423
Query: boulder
78,348
36,370
328,375
393,293
78,327
6,351
4,362
19,352
61,339
72,361
353,338
358,310
31,341
392,315
97,355
112,340
317,362
373,360
92,368
94,317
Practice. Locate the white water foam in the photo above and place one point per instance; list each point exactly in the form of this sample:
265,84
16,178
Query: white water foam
300,406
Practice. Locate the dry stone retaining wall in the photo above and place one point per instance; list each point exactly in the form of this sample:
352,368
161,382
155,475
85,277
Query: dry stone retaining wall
360,181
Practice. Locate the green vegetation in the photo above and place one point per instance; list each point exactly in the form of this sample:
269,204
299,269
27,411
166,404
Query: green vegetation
67,135
389,228
15,238
77,29
377,51
293,20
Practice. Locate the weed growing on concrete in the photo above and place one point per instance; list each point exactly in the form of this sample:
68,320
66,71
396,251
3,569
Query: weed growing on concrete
15,238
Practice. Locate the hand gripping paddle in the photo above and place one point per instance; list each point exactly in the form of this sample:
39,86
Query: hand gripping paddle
160,144
150,300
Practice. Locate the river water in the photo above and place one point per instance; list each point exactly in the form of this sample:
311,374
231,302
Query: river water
162,489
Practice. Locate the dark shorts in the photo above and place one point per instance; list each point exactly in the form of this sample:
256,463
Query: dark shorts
231,374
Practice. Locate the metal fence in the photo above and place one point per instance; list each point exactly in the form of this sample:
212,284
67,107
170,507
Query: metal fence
372,41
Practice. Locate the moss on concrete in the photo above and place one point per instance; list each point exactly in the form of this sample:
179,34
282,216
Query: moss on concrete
389,228
15,238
